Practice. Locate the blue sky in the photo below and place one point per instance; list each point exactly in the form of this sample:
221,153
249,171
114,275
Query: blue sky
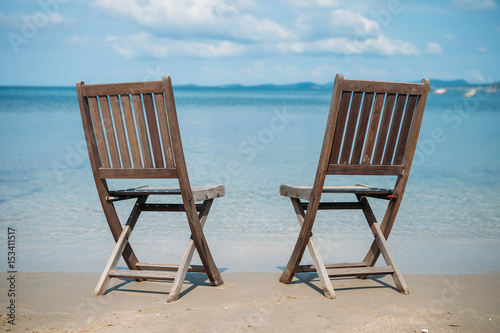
214,42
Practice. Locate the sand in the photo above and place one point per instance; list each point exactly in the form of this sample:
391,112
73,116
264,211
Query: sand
254,302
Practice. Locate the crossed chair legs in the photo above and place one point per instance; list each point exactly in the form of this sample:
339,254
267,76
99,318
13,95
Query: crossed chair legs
145,271
360,269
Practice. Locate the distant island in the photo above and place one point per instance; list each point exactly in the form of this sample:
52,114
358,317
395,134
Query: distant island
300,85
435,83
329,85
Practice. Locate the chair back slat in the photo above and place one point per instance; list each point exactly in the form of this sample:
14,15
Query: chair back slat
153,130
351,127
165,133
130,131
383,130
140,122
337,140
110,133
98,131
405,129
390,145
120,131
362,128
372,123
373,128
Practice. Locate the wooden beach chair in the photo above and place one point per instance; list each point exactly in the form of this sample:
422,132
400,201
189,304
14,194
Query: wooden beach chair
372,129
132,132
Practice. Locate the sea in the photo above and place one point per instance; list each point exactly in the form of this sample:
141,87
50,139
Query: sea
251,140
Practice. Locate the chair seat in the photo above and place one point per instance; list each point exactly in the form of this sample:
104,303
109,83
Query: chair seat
199,193
304,192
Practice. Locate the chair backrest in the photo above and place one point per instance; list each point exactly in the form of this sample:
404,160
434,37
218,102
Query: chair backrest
132,129
373,126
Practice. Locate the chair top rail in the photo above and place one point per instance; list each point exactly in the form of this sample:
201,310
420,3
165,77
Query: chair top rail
130,88
384,87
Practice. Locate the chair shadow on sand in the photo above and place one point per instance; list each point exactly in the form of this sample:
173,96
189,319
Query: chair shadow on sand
309,279
192,280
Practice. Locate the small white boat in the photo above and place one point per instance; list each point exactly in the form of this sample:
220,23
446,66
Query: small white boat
440,91
470,93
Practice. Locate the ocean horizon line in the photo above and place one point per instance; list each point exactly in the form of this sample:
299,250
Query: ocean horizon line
299,85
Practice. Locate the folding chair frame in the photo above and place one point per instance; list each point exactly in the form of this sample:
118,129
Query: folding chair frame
135,140
360,139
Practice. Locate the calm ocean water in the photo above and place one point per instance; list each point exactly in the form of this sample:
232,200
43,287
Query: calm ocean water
251,140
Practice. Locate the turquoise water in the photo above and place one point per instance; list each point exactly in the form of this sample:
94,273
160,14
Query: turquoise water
251,140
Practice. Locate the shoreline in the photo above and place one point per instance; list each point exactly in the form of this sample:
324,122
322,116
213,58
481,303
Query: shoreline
254,302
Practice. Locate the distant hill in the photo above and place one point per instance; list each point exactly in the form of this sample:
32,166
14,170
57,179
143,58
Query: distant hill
329,85
300,85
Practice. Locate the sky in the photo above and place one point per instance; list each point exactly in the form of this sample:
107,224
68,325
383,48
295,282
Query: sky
218,42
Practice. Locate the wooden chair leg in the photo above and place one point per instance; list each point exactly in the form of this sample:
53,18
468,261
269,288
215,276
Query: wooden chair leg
302,241
119,248
326,284
114,223
386,226
201,244
383,247
102,285
188,255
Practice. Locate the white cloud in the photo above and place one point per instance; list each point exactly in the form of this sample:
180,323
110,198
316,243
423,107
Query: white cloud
312,24
202,28
450,37
354,22
314,3
482,49
380,45
37,20
146,45
79,41
434,48
214,18
475,4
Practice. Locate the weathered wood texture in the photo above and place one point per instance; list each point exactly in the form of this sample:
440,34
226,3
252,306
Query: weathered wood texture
131,127
132,132
372,129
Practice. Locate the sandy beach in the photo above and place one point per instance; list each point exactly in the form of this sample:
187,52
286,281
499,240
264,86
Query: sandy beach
254,302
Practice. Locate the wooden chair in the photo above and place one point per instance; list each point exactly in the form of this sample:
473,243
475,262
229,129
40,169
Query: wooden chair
372,129
132,132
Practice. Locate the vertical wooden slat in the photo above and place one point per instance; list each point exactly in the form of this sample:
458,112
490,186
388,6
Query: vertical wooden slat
384,128
394,131
120,131
99,132
405,129
373,128
362,128
339,129
165,133
143,133
351,127
110,131
153,130
131,133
